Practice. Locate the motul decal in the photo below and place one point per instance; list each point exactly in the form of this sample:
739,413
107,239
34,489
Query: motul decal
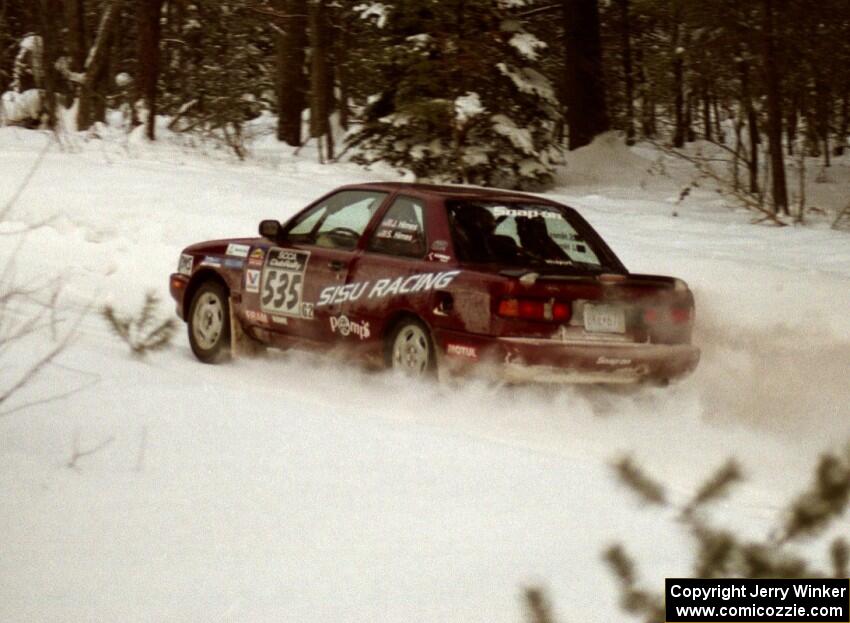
462,350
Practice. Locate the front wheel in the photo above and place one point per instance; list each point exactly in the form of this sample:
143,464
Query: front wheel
209,323
411,350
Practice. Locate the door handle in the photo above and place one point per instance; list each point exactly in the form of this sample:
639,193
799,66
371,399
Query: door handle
336,265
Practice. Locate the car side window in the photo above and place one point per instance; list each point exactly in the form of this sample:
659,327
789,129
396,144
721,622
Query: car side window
402,230
338,221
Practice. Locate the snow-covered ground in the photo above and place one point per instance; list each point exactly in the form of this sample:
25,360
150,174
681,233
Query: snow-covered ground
294,488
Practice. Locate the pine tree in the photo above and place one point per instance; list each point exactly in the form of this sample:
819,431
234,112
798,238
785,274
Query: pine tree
463,99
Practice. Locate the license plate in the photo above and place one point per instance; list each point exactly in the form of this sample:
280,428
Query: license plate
604,319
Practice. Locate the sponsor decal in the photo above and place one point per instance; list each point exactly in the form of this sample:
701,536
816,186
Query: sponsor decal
612,361
439,245
345,327
462,350
282,283
287,259
237,250
525,213
412,284
392,234
256,316
257,256
184,266
233,263
252,280
395,229
211,260
438,257
280,319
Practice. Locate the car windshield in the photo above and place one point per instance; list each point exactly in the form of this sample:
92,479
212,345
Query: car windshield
523,235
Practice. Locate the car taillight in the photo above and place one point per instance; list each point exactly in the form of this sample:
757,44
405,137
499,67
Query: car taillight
675,315
532,309
561,312
680,315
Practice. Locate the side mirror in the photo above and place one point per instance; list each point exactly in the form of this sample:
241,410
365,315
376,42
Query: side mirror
270,229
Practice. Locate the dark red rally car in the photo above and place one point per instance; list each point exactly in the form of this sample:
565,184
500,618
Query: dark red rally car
439,278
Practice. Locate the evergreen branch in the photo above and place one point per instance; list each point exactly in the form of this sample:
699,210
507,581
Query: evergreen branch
825,500
538,607
716,487
633,599
638,481
839,552
622,566
715,551
137,332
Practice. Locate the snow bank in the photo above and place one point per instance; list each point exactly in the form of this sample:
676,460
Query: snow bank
18,107
606,161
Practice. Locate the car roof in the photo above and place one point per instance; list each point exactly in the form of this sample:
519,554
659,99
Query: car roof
450,192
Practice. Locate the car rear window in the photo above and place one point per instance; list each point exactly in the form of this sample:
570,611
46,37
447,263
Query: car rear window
523,235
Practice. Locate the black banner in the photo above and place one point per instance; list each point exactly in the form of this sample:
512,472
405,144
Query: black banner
728,599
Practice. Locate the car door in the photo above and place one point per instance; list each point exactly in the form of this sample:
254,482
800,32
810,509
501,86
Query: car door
301,275
395,271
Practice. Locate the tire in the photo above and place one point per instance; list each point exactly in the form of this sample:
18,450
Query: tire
410,350
209,323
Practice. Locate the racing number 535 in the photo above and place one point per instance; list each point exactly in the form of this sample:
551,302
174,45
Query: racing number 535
283,282
282,291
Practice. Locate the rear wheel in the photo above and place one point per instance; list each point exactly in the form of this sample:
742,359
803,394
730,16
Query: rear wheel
209,323
411,350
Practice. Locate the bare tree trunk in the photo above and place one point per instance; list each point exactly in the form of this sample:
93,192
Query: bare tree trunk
845,122
774,111
102,83
752,126
801,179
319,105
706,113
49,36
180,55
823,99
75,11
647,104
791,128
679,102
718,127
739,146
627,70
76,16
678,76
342,47
291,96
95,61
587,112
690,135
147,19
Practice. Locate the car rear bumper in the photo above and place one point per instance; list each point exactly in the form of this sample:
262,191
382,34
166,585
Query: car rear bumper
532,360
